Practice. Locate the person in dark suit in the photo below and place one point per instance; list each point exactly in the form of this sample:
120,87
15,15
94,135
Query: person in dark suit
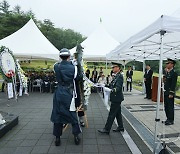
94,75
170,80
129,75
116,97
148,81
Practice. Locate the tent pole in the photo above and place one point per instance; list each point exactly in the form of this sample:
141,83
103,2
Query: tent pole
157,119
143,85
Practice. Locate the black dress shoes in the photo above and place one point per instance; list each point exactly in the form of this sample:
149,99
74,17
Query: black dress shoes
103,131
118,129
58,141
169,123
77,139
164,121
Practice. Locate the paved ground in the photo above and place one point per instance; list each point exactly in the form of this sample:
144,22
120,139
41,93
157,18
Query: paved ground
34,131
33,134
145,111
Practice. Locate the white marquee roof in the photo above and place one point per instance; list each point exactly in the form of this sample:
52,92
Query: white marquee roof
98,44
29,42
145,45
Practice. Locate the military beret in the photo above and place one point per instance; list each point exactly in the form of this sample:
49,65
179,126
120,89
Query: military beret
170,61
114,64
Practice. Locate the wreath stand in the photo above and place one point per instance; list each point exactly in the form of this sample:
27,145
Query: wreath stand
65,126
8,71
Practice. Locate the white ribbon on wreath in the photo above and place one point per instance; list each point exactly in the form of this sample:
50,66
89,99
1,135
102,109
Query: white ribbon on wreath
22,76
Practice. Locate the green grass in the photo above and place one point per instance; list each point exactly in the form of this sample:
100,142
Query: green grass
177,101
137,87
139,76
178,93
38,65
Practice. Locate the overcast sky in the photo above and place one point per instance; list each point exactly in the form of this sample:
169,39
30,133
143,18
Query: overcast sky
121,18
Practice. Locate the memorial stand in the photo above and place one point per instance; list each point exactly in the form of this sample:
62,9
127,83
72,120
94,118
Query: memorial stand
155,89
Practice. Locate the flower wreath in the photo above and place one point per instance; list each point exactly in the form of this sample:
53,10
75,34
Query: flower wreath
8,75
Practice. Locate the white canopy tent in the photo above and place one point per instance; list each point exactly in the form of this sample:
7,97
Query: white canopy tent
145,45
159,41
97,45
29,42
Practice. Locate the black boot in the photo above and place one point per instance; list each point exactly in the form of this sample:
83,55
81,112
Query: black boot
77,139
58,141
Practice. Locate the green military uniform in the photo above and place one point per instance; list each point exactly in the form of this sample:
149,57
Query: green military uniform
169,86
116,97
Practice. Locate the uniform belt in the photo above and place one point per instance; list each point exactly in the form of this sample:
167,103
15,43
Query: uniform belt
65,84
68,86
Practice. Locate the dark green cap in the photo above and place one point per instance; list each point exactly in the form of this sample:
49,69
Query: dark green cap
170,61
115,64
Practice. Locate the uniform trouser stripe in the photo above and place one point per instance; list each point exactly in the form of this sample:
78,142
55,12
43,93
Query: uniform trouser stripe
169,107
115,112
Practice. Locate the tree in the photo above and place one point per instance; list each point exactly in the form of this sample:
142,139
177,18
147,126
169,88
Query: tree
17,10
48,23
4,7
60,38
13,20
30,14
11,23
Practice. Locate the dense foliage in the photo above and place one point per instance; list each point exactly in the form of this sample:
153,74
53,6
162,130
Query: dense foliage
12,20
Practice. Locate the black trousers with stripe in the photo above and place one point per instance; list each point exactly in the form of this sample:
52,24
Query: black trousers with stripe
115,112
169,107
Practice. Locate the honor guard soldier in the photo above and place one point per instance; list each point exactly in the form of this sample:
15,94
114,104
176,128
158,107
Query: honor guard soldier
116,97
170,80
64,110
